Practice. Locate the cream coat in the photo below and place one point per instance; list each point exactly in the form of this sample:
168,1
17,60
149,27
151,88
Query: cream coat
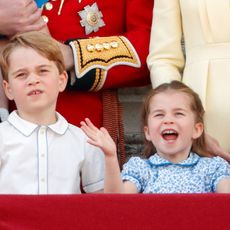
205,25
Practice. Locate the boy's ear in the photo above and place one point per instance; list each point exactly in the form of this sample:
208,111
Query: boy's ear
63,79
198,130
146,132
7,90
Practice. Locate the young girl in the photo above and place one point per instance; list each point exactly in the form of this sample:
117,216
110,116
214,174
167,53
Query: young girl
174,132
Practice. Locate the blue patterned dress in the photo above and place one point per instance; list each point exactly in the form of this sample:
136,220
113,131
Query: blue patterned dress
194,175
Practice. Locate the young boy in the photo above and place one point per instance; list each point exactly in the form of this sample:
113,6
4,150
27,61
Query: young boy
40,152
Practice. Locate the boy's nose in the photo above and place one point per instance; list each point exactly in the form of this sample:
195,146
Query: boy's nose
33,79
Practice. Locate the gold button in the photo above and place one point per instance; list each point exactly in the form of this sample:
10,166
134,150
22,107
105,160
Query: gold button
114,44
45,18
99,47
48,6
106,45
90,47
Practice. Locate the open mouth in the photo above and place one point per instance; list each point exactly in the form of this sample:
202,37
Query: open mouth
169,134
34,92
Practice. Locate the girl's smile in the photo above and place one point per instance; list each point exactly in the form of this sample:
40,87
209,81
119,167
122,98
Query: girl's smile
171,125
169,135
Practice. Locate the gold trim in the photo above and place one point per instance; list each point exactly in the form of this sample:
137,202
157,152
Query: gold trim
100,77
102,80
97,76
60,7
117,51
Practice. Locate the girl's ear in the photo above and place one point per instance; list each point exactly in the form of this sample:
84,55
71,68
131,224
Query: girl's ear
7,90
198,130
146,132
63,78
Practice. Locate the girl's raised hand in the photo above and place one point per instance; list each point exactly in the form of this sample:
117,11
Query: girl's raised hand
99,137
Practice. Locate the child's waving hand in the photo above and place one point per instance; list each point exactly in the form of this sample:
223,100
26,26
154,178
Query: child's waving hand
99,137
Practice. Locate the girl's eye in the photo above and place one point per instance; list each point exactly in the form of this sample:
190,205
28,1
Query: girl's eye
180,114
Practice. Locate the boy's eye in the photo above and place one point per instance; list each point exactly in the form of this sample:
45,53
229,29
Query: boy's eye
21,75
158,115
44,70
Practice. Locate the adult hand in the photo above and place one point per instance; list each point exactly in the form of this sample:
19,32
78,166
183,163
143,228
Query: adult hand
214,148
68,56
19,16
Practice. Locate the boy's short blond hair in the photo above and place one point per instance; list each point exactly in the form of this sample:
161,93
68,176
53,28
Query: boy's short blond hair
43,43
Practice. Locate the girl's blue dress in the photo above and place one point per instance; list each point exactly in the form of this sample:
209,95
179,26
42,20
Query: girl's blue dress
194,175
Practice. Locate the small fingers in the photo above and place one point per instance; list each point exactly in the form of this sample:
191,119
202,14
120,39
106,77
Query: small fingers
104,130
88,127
88,122
91,125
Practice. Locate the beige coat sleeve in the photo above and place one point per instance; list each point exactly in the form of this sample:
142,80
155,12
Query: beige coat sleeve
166,59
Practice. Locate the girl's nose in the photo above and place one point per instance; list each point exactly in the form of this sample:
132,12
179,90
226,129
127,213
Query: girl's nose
168,122
168,119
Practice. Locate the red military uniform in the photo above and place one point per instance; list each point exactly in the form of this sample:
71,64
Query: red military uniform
129,18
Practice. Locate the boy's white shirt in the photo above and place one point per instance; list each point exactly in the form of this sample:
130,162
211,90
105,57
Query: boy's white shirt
47,159
4,113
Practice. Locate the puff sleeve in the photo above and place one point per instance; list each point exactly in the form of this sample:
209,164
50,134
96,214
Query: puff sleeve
137,171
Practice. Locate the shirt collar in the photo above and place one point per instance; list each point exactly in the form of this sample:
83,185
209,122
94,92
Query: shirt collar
156,160
27,128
